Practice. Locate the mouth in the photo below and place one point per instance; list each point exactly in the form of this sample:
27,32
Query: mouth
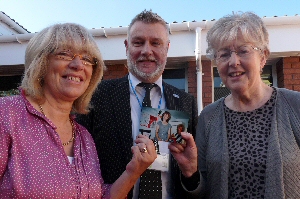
72,78
146,59
142,61
236,74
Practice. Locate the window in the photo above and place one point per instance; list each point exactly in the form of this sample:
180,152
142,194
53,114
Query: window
175,77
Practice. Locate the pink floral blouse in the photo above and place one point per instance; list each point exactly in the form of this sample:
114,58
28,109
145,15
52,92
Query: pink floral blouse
33,163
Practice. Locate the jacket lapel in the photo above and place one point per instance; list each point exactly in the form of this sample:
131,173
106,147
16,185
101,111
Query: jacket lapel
173,101
122,112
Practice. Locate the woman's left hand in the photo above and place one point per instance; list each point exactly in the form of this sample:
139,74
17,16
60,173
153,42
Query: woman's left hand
144,155
185,154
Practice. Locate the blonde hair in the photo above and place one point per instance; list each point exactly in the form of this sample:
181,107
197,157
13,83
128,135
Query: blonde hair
47,41
226,29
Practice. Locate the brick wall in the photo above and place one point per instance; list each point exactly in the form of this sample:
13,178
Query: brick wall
115,71
207,86
290,76
192,79
207,78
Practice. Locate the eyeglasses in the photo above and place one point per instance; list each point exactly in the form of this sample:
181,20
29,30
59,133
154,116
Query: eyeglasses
67,55
244,51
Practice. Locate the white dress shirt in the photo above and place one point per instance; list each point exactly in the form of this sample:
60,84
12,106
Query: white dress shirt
155,96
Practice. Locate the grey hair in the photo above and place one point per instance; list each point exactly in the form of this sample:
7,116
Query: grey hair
148,17
67,35
226,29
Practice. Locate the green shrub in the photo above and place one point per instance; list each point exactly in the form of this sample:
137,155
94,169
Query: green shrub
9,92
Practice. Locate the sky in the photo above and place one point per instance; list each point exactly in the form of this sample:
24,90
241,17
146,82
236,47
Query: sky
34,15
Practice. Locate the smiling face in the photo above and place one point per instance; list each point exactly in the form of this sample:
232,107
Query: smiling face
241,73
66,79
166,117
146,50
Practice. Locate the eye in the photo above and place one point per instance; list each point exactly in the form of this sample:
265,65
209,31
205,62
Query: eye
64,53
155,43
87,58
244,50
223,54
137,43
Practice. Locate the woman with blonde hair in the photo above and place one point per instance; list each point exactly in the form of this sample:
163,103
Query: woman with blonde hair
44,152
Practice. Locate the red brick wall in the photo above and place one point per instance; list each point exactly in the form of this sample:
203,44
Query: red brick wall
207,86
115,71
206,81
290,73
192,79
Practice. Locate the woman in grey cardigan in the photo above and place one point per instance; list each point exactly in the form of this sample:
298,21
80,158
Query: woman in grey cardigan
248,142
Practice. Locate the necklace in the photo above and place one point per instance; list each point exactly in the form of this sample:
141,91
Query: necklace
72,124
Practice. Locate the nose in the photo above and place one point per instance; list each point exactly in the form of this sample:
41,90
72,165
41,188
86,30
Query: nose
234,59
76,63
146,49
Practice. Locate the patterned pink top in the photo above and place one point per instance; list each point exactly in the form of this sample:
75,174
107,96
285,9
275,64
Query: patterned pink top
33,163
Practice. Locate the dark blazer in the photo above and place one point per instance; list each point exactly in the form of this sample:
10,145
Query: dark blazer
110,124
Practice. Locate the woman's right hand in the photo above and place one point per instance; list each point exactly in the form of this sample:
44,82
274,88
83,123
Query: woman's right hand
144,155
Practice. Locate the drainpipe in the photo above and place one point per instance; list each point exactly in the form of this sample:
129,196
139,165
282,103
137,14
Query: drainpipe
199,69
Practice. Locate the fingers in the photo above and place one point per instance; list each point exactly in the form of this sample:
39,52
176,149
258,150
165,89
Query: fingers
185,155
188,139
142,136
145,144
142,147
144,150
140,161
143,157
176,147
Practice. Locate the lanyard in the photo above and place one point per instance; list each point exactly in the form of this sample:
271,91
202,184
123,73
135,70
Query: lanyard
133,90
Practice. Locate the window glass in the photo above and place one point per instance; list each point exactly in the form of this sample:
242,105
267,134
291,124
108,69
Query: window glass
175,77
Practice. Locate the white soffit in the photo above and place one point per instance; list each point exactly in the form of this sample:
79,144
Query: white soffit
284,40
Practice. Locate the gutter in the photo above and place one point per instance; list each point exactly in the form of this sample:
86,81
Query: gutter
20,38
101,32
8,21
173,27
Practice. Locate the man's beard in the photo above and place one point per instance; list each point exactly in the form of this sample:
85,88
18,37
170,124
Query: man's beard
132,66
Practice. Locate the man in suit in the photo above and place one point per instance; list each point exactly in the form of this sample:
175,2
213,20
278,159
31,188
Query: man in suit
114,119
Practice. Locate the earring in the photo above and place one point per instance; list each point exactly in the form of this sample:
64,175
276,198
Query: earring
41,81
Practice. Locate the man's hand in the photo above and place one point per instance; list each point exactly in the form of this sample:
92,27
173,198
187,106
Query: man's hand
185,154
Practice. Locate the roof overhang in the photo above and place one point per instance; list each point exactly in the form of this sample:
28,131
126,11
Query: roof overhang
283,34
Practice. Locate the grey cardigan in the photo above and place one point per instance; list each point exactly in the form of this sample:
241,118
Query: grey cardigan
283,160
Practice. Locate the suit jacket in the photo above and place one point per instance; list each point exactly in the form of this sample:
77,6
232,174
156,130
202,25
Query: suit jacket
110,124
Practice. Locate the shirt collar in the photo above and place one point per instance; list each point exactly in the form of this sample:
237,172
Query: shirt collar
135,81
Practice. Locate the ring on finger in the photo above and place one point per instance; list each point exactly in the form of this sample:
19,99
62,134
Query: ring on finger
144,150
